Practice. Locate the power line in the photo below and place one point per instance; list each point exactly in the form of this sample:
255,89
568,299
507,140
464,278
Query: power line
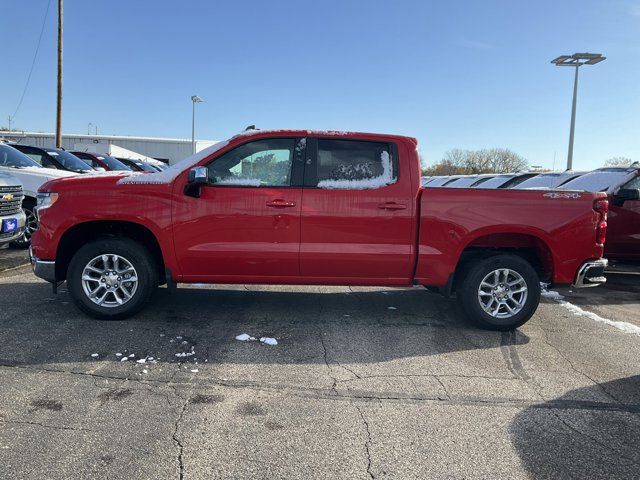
33,63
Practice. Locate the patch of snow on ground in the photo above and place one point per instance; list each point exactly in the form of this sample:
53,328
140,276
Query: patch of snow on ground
195,370
245,337
624,326
94,355
391,308
268,341
124,359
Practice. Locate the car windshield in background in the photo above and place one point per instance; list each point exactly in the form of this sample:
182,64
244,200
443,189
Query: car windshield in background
495,182
549,180
113,163
598,180
462,182
10,157
69,161
147,167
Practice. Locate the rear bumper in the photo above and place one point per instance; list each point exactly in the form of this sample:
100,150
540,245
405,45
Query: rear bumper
45,269
591,273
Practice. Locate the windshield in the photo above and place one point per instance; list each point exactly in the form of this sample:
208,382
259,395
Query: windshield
10,157
113,163
598,181
69,161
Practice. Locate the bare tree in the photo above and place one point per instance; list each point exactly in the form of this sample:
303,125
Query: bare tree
618,162
462,162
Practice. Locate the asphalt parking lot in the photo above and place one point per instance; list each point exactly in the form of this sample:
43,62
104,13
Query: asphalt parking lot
364,383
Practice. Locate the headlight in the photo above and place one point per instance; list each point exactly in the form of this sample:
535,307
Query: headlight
46,199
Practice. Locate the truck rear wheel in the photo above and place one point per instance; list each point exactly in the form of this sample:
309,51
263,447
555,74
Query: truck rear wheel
500,292
112,279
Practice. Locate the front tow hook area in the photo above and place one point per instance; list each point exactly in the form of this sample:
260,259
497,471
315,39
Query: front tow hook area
591,274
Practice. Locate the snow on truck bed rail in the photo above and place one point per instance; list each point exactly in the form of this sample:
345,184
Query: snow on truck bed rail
171,173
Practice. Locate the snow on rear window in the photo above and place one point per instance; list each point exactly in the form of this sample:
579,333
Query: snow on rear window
171,173
597,181
384,179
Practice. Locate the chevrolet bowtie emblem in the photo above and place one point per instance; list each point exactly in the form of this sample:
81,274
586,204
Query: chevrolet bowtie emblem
7,196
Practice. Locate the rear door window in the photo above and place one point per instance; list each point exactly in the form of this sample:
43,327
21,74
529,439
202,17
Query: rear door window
353,165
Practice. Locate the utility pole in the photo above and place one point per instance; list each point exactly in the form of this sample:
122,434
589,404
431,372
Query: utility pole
59,92
9,122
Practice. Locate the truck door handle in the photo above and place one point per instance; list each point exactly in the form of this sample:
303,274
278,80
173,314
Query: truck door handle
392,206
279,203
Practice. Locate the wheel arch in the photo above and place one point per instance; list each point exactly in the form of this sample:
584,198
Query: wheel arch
82,233
530,247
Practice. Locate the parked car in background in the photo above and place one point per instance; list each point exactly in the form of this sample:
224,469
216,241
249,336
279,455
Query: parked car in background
138,165
504,180
31,176
549,180
468,181
12,218
308,207
622,185
442,181
54,158
105,162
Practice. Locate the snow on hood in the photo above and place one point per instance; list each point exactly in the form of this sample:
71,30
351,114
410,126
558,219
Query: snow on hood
171,173
48,172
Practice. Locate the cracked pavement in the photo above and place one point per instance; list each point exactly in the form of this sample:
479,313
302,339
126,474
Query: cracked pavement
352,390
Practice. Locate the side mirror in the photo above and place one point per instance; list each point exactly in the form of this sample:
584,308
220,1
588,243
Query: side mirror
625,194
198,176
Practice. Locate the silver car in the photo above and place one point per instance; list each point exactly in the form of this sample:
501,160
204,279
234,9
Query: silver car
12,218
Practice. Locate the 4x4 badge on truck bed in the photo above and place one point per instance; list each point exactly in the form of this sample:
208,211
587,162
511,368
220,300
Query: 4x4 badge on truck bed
562,195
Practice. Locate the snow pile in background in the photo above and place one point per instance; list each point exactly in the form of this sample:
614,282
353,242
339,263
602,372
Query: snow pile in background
367,183
239,181
268,341
171,173
553,295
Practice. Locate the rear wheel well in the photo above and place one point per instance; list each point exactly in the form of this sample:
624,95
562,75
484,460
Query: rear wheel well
535,251
83,233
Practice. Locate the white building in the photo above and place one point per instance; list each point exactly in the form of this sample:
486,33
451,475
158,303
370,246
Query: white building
169,150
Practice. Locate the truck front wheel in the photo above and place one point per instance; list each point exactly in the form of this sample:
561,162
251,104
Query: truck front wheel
112,278
500,292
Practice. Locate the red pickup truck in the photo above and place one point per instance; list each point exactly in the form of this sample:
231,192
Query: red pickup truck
319,208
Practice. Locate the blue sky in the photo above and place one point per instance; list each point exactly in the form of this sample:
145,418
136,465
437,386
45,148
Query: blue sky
457,74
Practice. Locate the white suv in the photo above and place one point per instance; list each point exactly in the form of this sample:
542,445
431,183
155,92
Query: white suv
32,176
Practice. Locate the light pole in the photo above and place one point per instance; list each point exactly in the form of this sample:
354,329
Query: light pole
194,99
576,60
89,128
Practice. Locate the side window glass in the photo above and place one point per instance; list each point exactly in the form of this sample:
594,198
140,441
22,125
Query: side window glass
633,184
262,163
355,165
36,157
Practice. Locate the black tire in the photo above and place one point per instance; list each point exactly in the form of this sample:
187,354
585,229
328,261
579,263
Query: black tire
469,285
137,255
31,225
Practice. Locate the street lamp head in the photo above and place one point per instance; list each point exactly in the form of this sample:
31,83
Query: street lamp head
196,99
578,59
